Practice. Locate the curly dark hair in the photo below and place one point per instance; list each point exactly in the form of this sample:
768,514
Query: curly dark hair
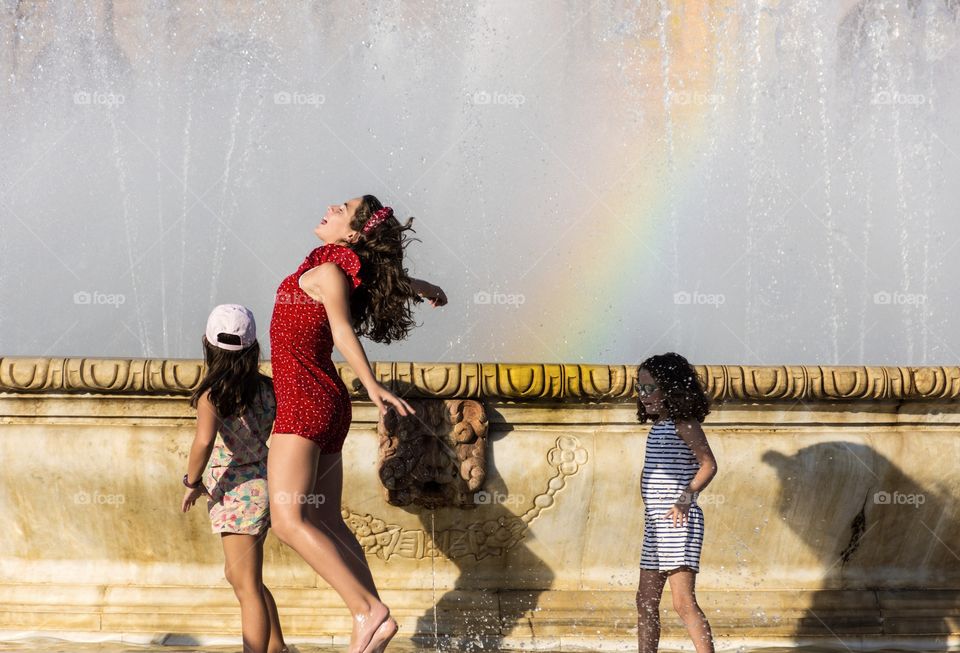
683,394
381,307
232,377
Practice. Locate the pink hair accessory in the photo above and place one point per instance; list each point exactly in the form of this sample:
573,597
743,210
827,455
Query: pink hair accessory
378,216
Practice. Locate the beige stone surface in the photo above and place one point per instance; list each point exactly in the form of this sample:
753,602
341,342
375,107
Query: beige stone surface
828,514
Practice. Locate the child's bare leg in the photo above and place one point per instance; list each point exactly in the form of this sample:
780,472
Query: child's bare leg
682,586
243,556
649,592
276,644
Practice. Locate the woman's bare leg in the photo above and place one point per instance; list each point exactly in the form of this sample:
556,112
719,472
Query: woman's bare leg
649,592
292,477
243,561
324,513
682,587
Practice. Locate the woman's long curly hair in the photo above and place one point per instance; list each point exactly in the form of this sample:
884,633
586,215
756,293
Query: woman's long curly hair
232,377
381,307
683,394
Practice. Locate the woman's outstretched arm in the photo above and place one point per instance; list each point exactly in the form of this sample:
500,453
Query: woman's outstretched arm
327,284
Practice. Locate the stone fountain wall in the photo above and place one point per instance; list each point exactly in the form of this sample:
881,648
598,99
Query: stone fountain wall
833,514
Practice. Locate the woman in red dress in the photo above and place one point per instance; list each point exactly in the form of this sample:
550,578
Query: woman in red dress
355,284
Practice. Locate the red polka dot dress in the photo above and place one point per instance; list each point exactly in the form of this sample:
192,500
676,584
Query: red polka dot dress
312,400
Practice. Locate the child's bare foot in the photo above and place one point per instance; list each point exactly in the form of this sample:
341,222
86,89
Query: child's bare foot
366,627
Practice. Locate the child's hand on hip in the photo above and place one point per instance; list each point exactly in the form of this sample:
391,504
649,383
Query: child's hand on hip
678,514
190,498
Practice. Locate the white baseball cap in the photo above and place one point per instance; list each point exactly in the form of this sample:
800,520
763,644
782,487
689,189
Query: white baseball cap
231,327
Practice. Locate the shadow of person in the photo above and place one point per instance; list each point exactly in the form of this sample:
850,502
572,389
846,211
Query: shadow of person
499,579
882,540
439,465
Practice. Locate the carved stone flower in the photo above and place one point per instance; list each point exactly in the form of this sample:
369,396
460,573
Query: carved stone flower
568,455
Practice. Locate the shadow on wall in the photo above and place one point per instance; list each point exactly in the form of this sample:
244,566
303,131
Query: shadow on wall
499,579
483,605
871,526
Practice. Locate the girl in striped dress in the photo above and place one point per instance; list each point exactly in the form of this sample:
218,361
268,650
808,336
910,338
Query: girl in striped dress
678,464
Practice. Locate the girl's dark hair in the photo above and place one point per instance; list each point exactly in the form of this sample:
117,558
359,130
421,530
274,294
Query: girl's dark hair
381,306
683,395
232,377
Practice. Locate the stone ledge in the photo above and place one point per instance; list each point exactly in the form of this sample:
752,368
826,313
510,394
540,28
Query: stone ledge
32,640
510,381
489,615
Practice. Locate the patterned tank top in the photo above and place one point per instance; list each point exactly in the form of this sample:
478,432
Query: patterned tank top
242,440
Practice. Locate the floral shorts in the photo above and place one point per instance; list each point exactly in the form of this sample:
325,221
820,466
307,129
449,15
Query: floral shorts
238,498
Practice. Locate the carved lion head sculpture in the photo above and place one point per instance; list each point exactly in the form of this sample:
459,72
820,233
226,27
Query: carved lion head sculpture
437,457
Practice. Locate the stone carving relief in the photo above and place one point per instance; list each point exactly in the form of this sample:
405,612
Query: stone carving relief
480,539
436,457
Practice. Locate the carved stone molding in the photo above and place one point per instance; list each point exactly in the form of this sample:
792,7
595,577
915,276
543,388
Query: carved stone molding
535,382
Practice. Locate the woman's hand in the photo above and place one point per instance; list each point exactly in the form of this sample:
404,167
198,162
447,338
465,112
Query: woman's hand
190,498
383,397
434,294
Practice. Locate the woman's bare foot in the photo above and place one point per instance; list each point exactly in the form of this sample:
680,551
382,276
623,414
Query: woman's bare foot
382,636
366,627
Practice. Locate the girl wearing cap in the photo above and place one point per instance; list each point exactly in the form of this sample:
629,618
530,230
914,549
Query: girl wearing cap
355,284
228,462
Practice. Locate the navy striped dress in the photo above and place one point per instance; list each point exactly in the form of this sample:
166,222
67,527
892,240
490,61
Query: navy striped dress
668,467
